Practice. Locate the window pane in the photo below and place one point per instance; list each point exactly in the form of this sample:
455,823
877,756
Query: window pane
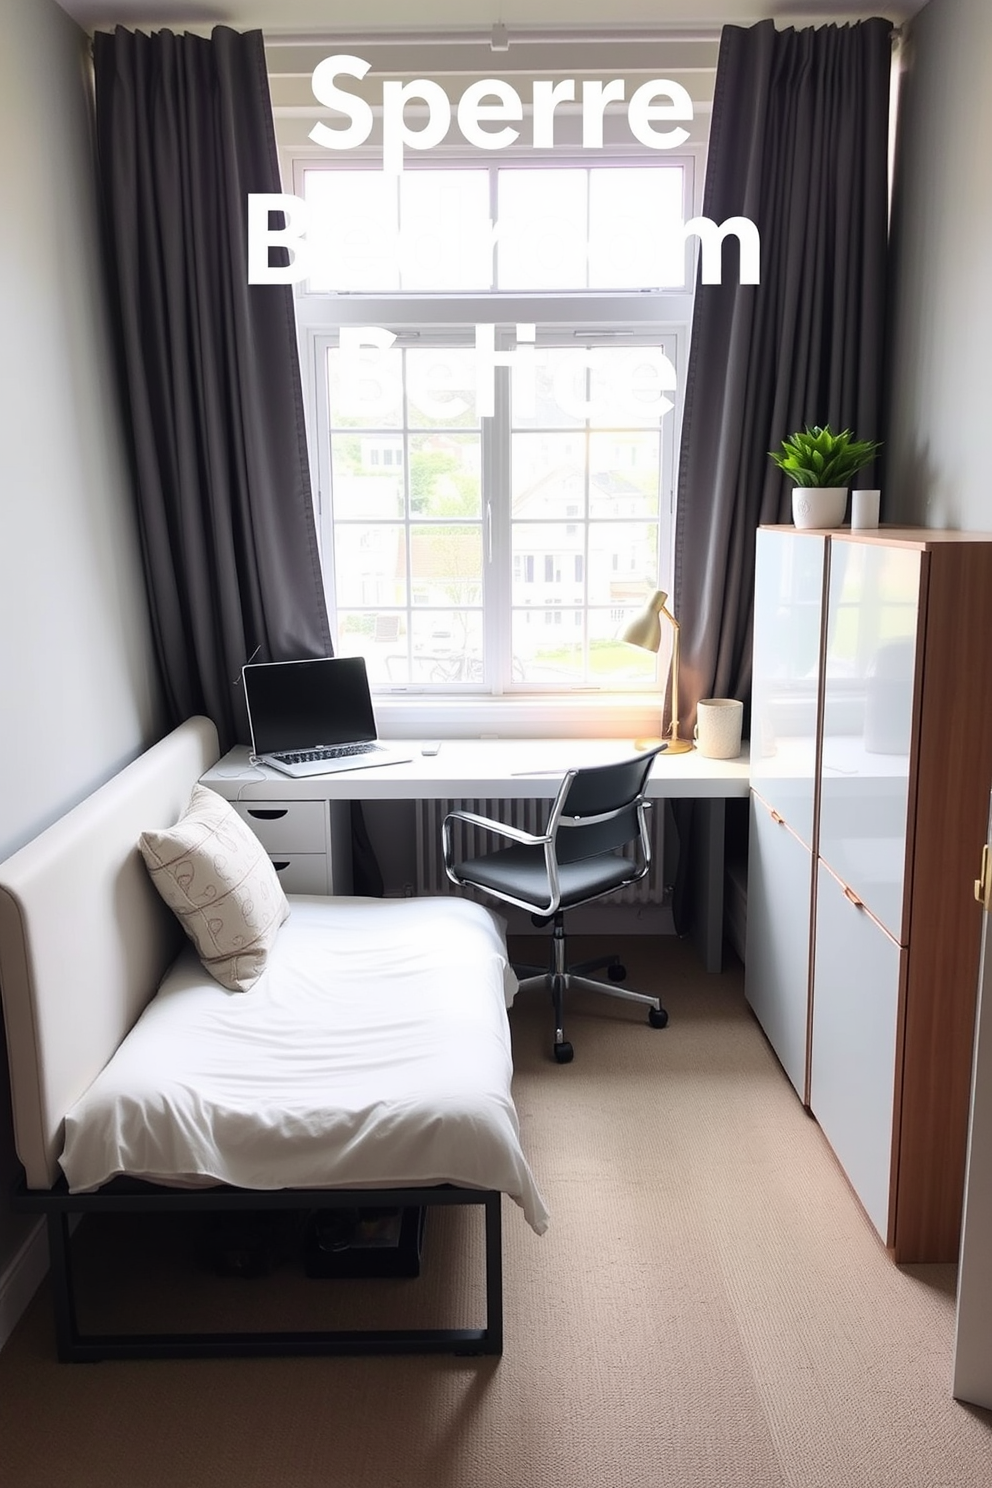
548,647
544,566
370,564
542,229
631,211
612,663
555,369
371,400
367,475
447,646
445,238
623,559
629,385
623,474
441,388
446,564
354,222
445,475
548,475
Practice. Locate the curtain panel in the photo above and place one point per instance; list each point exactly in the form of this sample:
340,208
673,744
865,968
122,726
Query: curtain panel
211,378
798,144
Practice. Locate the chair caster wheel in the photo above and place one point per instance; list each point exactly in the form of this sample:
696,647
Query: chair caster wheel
617,973
564,1052
657,1017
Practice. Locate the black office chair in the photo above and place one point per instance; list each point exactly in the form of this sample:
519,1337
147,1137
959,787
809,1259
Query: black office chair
597,812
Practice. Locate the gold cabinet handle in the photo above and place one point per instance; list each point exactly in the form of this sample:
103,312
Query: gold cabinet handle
983,884
775,817
850,894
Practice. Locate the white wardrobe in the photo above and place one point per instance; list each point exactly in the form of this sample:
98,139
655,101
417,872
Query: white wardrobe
871,752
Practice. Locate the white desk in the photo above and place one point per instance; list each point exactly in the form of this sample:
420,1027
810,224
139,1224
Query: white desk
302,830
480,767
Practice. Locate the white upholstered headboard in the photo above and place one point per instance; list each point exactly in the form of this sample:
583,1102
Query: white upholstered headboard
85,938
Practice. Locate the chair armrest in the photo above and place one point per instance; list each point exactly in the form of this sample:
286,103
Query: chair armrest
502,829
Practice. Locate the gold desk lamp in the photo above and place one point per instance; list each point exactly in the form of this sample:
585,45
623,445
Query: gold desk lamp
645,631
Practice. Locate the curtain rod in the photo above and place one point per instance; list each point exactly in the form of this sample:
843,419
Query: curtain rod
497,38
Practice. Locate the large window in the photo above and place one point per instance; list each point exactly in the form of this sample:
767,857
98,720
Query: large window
493,353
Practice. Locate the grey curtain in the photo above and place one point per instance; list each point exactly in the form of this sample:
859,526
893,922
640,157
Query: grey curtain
798,144
210,372
210,366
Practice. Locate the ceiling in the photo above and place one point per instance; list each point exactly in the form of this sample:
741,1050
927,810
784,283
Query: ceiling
445,17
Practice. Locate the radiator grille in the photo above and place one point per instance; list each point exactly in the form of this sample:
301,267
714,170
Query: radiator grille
530,816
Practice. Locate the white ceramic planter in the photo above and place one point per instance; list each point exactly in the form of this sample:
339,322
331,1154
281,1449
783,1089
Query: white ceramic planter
819,506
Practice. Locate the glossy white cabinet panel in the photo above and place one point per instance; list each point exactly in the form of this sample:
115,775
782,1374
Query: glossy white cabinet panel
788,607
776,969
872,615
973,1333
855,1009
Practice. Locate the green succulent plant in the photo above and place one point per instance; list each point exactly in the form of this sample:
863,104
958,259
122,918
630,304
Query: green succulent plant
819,457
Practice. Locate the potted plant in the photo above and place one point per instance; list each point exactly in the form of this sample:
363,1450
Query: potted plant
821,463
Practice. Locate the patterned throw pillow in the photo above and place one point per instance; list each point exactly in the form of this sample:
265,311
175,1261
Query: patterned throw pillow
213,872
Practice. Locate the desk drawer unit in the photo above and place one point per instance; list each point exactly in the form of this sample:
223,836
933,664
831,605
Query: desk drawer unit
295,834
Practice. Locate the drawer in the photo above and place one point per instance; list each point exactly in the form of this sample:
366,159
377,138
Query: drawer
287,826
302,873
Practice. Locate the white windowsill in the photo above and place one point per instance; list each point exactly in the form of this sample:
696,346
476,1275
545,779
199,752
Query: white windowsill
579,715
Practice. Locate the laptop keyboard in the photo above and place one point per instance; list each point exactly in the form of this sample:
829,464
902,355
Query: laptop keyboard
326,752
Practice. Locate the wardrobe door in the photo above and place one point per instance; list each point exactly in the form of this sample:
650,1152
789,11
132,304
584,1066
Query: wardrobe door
788,608
776,969
856,978
872,616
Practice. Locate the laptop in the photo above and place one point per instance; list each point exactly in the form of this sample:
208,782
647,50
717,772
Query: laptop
314,717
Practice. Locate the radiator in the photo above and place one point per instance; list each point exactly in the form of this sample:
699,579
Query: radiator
530,816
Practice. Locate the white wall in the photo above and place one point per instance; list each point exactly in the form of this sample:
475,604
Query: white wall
77,692
937,466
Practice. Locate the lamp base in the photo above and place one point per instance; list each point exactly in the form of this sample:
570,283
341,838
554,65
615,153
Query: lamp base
675,746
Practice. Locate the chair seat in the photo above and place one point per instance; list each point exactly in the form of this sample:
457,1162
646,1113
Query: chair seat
520,871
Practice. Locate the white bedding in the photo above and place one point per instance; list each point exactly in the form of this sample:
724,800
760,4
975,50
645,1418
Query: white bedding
373,1052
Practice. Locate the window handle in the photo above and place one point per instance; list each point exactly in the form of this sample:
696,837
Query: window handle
489,531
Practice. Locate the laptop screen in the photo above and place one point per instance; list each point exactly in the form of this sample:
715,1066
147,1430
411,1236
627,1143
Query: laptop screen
300,704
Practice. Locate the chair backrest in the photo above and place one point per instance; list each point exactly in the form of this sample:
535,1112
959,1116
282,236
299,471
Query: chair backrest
610,796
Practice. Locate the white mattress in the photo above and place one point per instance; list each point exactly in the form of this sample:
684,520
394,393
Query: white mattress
373,1052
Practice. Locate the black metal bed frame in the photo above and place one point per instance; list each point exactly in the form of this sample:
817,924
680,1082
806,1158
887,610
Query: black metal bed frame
58,1204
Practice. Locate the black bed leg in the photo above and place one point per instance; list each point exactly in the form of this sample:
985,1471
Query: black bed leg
494,1275
60,1271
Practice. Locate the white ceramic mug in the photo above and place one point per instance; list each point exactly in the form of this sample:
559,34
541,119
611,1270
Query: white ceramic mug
864,510
718,727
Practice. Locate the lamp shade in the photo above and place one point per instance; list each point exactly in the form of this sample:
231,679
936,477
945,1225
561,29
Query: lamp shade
645,629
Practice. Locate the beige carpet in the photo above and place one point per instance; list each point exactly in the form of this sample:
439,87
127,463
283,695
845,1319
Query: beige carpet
709,1309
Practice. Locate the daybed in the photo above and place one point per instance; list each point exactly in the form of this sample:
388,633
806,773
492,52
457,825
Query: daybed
371,1053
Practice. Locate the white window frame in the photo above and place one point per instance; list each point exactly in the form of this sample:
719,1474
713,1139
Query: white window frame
652,315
